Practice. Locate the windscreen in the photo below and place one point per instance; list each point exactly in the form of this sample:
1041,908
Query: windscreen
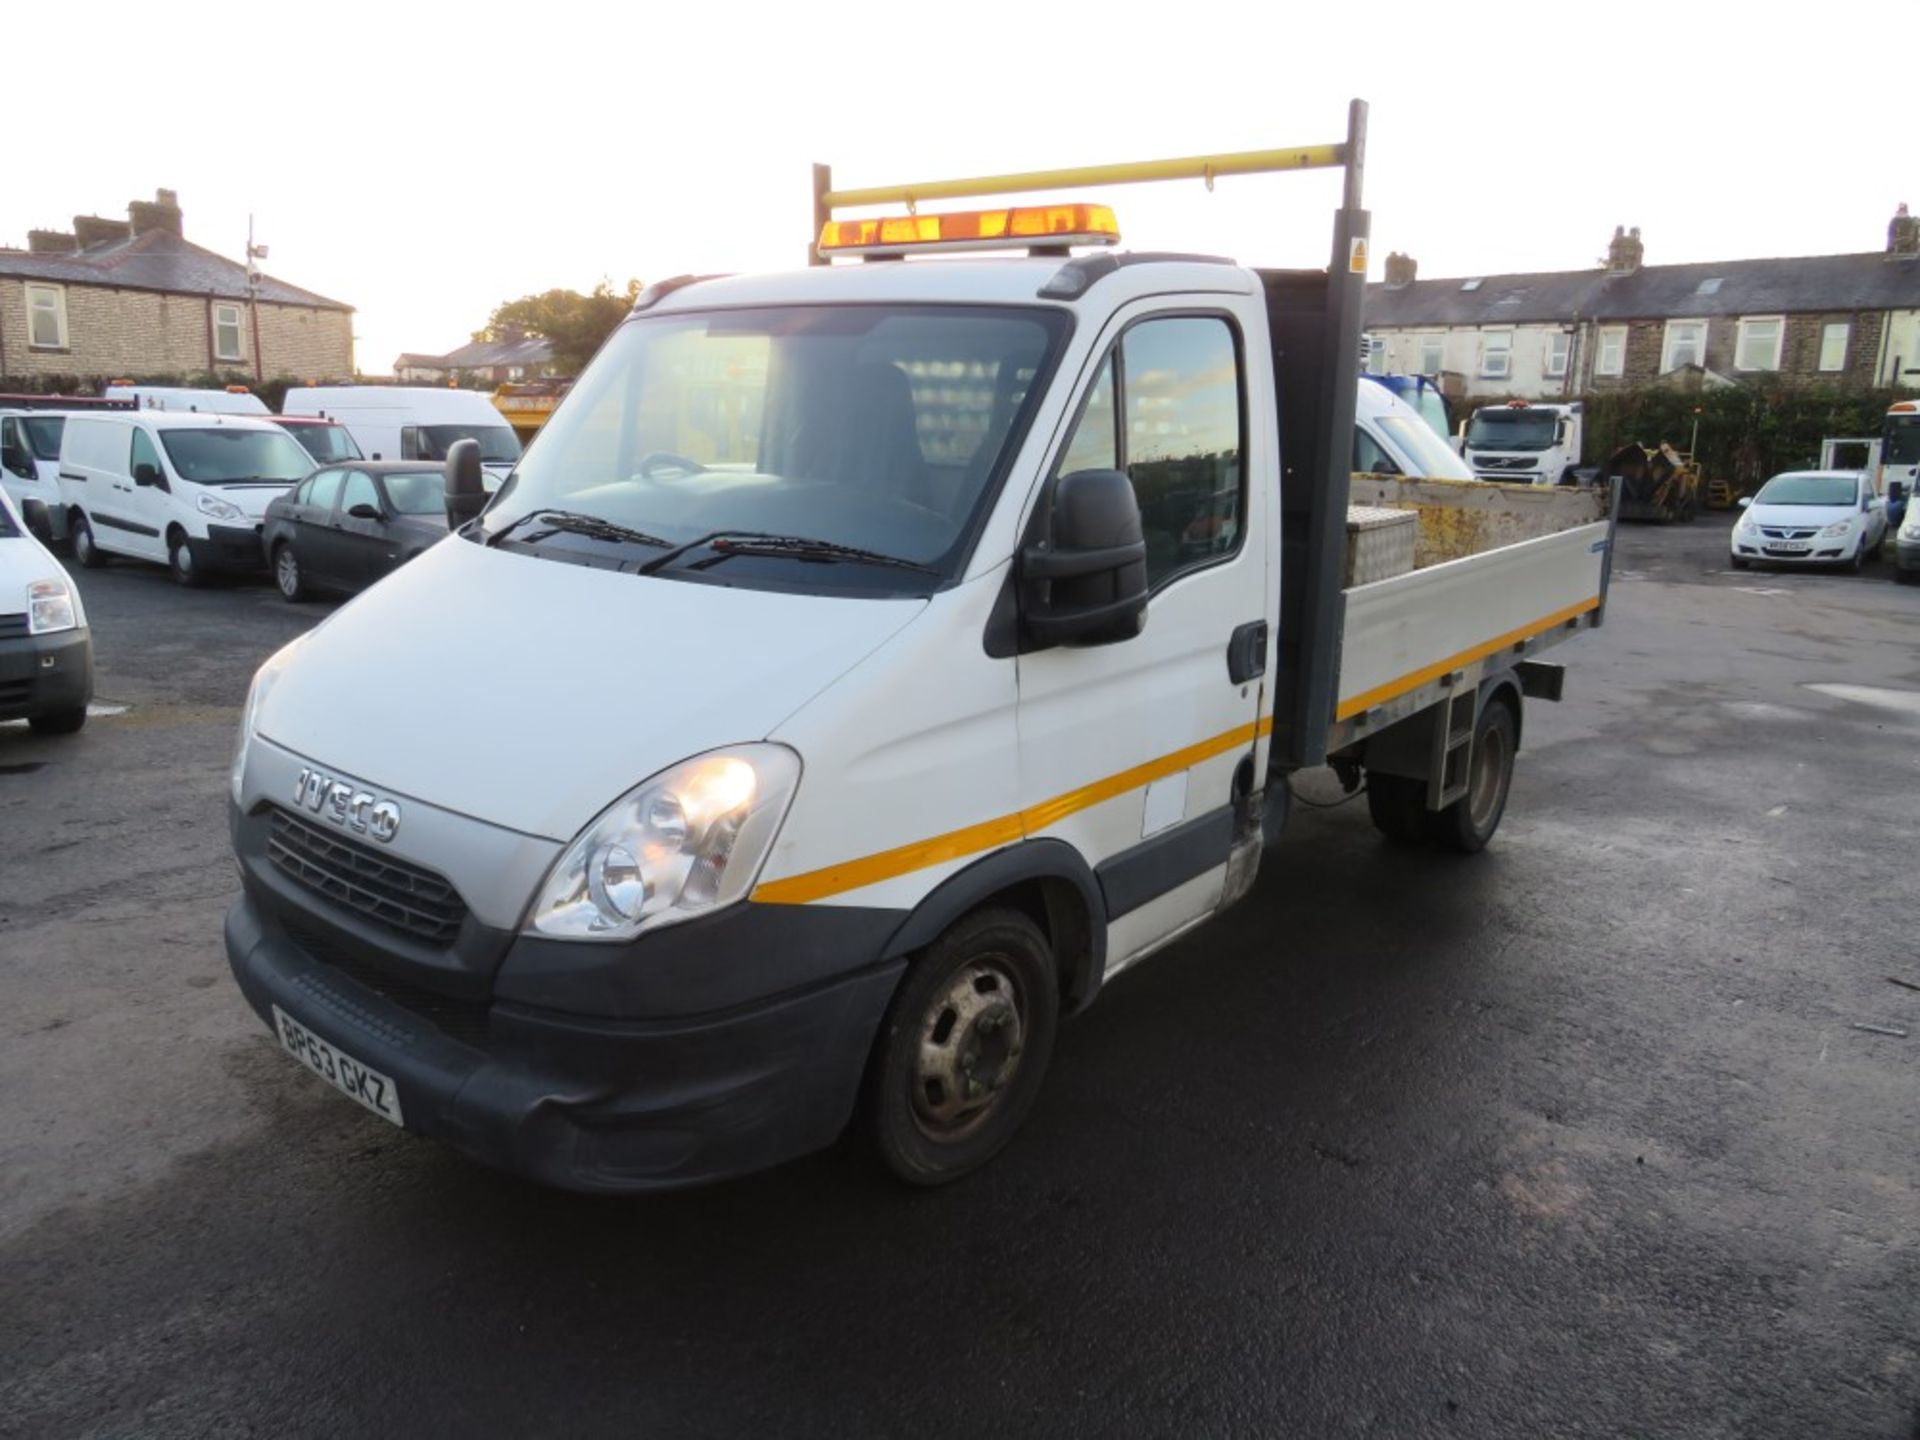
874,426
8,530
43,434
1902,440
228,456
327,444
1432,457
417,492
1512,429
1809,490
498,444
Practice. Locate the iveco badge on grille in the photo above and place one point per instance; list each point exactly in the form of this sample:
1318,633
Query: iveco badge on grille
357,810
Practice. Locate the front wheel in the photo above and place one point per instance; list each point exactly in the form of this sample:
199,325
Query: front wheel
963,1048
58,722
180,563
1738,563
84,550
1468,824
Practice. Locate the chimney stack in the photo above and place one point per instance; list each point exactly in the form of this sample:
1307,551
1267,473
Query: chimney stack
92,230
1903,235
1400,270
51,242
160,213
1625,251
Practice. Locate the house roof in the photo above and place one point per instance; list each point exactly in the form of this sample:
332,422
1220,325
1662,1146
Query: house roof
1791,285
156,260
485,354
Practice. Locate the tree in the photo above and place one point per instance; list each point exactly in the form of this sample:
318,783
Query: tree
574,324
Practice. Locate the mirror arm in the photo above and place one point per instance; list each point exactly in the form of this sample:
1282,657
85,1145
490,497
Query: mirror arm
1040,563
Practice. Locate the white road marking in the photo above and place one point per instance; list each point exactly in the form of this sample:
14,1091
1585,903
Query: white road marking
1903,702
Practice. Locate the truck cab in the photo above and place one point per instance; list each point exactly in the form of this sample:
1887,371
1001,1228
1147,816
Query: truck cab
1525,443
929,643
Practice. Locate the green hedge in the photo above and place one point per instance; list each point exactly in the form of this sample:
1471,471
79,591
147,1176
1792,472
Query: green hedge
1745,432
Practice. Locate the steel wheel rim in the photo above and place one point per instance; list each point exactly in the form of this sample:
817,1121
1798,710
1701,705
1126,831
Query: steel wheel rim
287,571
82,544
972,1039
183,559
1489,765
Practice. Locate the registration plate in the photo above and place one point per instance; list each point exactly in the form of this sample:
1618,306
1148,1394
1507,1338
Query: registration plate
1789,547
347,1075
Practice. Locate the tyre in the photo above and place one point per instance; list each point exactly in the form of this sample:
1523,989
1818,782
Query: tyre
1859,560
84,550
180,563
1398,807
963,1048
286,573
1468,824
1907,577
58,722
1738,563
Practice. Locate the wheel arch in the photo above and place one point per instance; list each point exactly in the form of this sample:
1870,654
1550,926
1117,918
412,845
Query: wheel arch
1505,688
1047,880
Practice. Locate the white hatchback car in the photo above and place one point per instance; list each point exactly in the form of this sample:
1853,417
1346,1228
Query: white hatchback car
46,650
1819,517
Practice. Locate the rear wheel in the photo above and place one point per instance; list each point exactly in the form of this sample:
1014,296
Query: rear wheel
84,550
58,722
963,1048
1468,824
1398,807
180,562
286,573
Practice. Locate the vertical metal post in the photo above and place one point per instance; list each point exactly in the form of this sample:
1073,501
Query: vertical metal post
822,212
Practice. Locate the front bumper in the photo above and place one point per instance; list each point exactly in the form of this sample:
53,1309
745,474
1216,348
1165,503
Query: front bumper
45,674
231,548
1822,550
588,1102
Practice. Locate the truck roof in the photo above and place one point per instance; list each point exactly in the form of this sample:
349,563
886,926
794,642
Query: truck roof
1012,281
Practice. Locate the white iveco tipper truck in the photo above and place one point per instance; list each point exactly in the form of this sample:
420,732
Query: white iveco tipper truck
868,664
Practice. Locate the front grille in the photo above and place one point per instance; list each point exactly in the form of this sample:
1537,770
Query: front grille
463,1020
402,897
1775,533
12,627
15,692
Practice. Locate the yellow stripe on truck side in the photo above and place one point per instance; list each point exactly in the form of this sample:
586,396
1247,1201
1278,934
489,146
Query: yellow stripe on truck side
991,834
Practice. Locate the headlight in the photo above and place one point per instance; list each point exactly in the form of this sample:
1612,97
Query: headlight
50,607
216,508
263,682
689,840
1748,525
1837,529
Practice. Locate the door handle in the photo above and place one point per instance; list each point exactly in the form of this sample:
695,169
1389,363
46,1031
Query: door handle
1247,652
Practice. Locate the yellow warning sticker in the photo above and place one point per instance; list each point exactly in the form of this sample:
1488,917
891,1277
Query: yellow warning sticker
1357,255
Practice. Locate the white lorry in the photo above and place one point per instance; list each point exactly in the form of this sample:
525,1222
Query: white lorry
1525,443
412,422
933,641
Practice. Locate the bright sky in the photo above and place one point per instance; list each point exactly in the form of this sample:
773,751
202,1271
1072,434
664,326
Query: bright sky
423,163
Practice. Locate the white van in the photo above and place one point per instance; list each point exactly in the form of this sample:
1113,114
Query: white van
234,400
186,490
30,461
1390,437
46,650
413,422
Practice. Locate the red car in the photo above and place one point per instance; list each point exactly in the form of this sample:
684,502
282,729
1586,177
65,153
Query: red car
328,441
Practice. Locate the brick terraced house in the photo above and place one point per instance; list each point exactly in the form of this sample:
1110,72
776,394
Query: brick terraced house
1851,321
135,297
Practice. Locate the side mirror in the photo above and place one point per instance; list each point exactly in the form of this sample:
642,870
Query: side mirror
1087,584
364,511
14,459
148,473
39,523
466,484
1744,501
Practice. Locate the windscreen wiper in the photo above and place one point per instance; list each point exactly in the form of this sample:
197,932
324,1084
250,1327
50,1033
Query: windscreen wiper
726,543
574,522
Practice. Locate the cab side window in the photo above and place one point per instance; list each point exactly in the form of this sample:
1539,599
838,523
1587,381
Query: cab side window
1166,407
1369,457
325,490
359,491
144,452
410,443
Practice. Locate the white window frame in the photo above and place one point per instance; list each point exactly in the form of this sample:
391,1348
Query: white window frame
1740,342
239,331
1614,338
1667,345
1505,352
1376,354
58,310
1554,366
1844,328
1437,339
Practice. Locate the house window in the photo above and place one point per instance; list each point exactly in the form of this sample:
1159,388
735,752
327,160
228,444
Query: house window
1833,346
1610,350
1432,354
1496,354
1376,355
1758,347
46,317
226,332
1559,344
1686,345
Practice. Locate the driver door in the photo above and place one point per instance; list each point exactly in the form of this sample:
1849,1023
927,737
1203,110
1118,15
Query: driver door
1133,752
